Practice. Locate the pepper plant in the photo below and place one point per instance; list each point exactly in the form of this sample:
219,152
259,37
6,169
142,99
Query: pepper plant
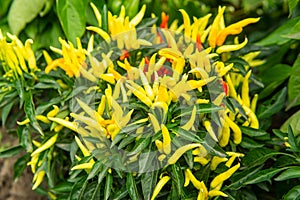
136,109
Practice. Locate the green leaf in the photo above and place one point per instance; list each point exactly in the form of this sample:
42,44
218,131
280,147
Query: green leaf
293,194
30,111
95,170
291,172
140,145
20,165
292,6
294,122
252,132
250,143
22,12
25,138
276,106
279,72
6,110
294,32
292,140
258,156
276,37
108,186
64,187
187,135
71,14
131,186
10,152
263,175
177,178
237,181
294,84
148,182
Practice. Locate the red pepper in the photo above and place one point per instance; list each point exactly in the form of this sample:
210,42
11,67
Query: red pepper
164,20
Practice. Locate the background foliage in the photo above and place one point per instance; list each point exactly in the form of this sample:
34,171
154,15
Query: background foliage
272,162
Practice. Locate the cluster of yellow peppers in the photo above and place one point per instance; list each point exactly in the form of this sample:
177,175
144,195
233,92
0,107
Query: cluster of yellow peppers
145,84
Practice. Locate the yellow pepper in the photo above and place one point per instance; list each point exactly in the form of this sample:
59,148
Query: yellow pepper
225,135
166,139
180,151
53,112
49,143
191,121
237,133
245,90
159,186
232,47
38,178
216,161
88,165
219,179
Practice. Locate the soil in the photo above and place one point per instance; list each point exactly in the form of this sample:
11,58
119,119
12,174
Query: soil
19,189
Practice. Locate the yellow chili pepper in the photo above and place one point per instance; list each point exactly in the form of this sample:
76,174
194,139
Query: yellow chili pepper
232,91
195,182
191,121
186,23
159,186
38,179
203,161
186,178
142,97
147,87
215,28
219,179
70,125
225,135
97,14
209,129
203,193
53,112
216,161
33,162
49,143
159,145
154,122
113,130
162,95
166,139
88,165
253,103
83,149
99,31
254,121
214,193
138,18
180,151
26,121
245,90
101,106
232,47
237,133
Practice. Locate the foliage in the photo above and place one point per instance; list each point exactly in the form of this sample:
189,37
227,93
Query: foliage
195,101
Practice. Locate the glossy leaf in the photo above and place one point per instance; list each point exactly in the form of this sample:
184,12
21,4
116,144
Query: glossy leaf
148,182
258,156
276,37
292,6
19,15
71,14
293,194
291,172
263,175
294,84
177,178
10,152
108,186
131,186
294,122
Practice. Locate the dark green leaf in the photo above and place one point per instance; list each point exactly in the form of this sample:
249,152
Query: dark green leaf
148,181
64,187
263,175
293,194
291,139
252,132
258,156
104,18
292,6
237,181
10,152
71,14
108,186
275,107
6,110
131,186
250,143
20,165
187,135
294,84
177,178
120,194
278,73
25,138
294,122
95,170
291,172
140,145
30,111
276,37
